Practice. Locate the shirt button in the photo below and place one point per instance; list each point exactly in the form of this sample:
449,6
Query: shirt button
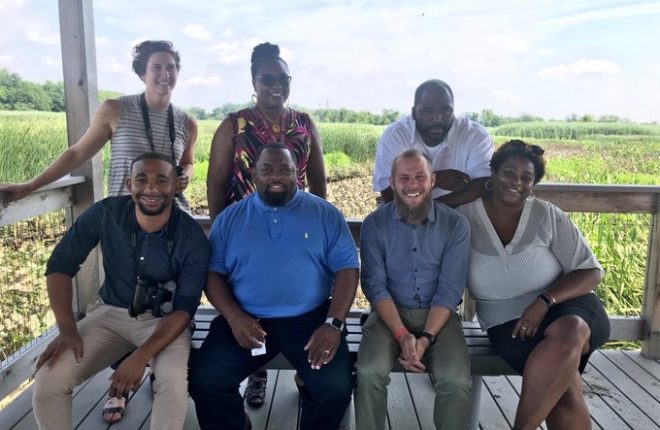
415,249
141,258
275,221
415,270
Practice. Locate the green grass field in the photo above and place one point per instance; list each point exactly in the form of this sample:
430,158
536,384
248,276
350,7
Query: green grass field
592,153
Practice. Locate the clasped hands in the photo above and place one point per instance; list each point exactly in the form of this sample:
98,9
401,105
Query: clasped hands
412,351
321,346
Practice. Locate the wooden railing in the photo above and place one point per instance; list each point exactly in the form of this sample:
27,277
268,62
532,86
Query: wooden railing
570,197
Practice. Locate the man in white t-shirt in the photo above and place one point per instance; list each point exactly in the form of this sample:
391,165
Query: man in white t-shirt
459,148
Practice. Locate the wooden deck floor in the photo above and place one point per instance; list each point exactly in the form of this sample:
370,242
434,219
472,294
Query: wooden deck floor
622,390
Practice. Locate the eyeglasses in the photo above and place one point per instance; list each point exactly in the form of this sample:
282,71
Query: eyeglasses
271,80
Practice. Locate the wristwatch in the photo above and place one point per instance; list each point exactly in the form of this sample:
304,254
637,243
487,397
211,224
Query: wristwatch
336,323
428,335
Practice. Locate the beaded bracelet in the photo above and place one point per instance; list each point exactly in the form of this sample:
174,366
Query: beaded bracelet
400,332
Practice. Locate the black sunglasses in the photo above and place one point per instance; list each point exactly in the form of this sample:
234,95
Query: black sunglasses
270,80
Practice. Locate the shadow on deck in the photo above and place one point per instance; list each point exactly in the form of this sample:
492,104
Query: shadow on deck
622,389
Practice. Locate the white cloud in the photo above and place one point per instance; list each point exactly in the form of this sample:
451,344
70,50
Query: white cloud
46,39
506,96
6,60
235,51
102,41
111,64
582,67
196,31
628,11
51,61
203,81
547,51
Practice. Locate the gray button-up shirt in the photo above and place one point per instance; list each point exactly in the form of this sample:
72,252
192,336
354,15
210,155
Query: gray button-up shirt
416,266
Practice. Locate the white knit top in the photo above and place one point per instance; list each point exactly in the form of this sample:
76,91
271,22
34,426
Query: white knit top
504,280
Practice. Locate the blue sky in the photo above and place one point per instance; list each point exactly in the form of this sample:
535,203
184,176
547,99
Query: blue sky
547,58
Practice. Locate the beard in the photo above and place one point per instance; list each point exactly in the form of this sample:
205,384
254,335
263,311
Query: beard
408,213
152,211
275,199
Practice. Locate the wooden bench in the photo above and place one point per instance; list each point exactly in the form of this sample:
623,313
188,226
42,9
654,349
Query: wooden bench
483,360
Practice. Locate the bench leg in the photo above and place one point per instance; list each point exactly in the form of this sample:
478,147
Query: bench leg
349,418
476,401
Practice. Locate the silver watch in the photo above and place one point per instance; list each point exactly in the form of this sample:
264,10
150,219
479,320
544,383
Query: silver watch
336,323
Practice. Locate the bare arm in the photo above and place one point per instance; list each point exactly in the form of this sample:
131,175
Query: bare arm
129,373
472,191
60,294
99,132
388,312
323,343
188,155
246,329
569,286
316,178
221,162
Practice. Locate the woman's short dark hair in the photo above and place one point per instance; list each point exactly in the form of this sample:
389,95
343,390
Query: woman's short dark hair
143,51
518,148
262,53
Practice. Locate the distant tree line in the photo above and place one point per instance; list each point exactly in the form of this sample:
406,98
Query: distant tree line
387,116
18,94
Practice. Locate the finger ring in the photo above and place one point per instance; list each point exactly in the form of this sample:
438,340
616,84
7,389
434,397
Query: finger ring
326,351
524,327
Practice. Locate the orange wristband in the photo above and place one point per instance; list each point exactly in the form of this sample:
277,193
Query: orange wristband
400,332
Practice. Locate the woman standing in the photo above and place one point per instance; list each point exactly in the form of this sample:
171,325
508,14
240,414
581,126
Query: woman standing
532,275
242,133
135,124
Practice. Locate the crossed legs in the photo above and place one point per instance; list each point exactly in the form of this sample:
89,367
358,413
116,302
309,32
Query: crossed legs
552,387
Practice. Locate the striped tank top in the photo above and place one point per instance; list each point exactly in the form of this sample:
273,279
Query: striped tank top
130,140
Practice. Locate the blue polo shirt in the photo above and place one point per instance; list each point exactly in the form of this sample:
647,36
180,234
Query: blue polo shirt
281,261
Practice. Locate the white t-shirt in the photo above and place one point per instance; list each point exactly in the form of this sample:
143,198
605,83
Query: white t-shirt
504,280
467,148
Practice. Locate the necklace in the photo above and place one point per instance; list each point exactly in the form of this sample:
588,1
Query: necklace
275,125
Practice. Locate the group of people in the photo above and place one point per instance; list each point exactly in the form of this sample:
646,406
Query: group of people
281,267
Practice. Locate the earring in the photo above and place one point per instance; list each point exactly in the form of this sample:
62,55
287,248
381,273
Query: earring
488,185
254,98
530,197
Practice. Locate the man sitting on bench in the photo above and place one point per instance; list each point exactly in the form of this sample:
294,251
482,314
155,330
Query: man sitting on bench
414,265
155,258
283,276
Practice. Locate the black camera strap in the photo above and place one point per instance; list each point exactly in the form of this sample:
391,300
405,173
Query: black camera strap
148,130
169,235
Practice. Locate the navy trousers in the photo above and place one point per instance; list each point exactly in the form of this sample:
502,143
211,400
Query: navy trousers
218,368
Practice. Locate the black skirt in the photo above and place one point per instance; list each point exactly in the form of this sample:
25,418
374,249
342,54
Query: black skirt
515,351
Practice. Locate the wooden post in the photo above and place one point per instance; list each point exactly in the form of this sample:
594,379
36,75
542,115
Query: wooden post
651,309
81,95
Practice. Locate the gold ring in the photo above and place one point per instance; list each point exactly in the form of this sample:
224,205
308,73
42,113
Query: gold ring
326,351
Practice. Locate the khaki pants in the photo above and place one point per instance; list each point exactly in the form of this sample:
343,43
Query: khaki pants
447,360
108,333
